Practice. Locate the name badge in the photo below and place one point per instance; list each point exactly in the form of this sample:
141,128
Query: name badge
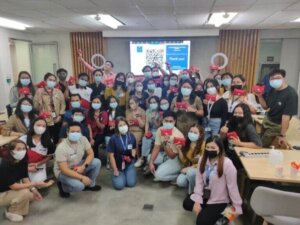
129,147
53,114
207,129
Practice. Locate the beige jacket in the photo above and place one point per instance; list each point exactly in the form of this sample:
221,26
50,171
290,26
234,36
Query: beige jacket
13,124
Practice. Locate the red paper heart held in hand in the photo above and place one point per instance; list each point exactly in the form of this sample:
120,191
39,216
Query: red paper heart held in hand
24,91
44,115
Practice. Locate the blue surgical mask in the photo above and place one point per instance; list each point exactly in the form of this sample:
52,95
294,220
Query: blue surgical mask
167,83
211,91
226,82
168,125
113,105
82,83
96,106
26,108
193,137
75,105
186,91
153,106
25,81
164,107
148,74
98,79
185,76
276,83
151,87
78,118
173,82
74,136
51,84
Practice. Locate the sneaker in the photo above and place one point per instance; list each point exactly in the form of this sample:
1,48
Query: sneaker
95,188
146,171
61,191
13,217
139,163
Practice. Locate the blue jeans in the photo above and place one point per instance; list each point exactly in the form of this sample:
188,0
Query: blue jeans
146,144
187,180
70,184
126,178
214,124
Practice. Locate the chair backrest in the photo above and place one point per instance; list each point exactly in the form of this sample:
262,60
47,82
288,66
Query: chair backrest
267,202
9,110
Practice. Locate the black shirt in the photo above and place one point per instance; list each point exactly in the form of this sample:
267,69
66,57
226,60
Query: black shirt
97,90
218,110
11,173
284,102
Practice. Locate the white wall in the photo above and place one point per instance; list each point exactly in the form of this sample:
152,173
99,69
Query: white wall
23,56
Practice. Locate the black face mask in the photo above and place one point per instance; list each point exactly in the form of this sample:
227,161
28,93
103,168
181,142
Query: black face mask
119,83
62,76
239,86
200,94
238,119
211,154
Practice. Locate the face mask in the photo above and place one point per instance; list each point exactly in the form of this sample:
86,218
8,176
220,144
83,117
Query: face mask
238,86
19,155
185,76
166,83
26,108
82,83
39,130
139,88
119,83
226,82
62,76
211,154
153,106
96,106
98,79
151,87
193,137
51,84
75,105
78,118
148,74
173,82
238,119
130,80
186,91
113,105
155,74
25,81
164,107
276,83
74,136
211,90
168,125
123,129
197,80
219,82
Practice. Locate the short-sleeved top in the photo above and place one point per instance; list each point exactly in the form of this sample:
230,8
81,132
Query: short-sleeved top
218,110
85,93
97,90
249,134
283,102
121,145
175,133
70,153
11,173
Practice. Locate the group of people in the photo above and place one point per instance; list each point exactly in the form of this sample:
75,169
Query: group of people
178,127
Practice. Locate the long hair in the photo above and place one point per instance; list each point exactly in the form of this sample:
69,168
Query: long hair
193,94
30,86
92,110
118,120
32,114
45,138
221,155
11,146
123,85
198,143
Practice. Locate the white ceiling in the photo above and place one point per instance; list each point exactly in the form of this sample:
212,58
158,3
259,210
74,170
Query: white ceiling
72,15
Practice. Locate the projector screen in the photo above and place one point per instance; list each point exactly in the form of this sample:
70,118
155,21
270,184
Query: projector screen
142,53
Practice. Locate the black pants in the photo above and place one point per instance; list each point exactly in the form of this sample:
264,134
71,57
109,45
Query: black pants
209,214
99,139
54,132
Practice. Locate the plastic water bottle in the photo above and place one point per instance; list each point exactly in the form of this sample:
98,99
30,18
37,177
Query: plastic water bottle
275,157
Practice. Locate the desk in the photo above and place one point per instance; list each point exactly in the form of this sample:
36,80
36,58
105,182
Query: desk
3,116
7,139
261,169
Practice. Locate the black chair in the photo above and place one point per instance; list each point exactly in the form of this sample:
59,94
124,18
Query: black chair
9,110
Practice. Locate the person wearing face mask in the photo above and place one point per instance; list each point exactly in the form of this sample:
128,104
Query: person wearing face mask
24,81
152,89
119,91
97,86
75,167
19,123
122,151
75,103
147,71
173,89
200,92
130,81
62,75
239,82
83,90
189,156
218,78
97,120
152,123
165,165
184,75
215,110
165,85
51,100
226,79
136,118
164,105
187,106
40,150
140,94
282,104
77,115
216,185
242,124
16,190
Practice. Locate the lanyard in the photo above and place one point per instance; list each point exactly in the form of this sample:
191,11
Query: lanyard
51,99
232,102
125,145
208,171
209,107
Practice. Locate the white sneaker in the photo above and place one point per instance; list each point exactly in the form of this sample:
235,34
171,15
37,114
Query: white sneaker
139,162
13,217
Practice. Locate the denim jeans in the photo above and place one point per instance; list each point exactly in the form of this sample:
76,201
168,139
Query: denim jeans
146,144
126,178
70,184
188,179
214,124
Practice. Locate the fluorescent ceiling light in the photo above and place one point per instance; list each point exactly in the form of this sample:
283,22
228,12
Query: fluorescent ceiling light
12,24
108,20
218,19
296,20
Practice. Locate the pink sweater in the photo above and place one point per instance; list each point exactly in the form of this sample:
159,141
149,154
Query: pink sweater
223,189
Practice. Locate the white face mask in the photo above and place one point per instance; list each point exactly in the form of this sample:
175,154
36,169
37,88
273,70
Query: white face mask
130,80
123,129
211,90
19,155
39,130
139,88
